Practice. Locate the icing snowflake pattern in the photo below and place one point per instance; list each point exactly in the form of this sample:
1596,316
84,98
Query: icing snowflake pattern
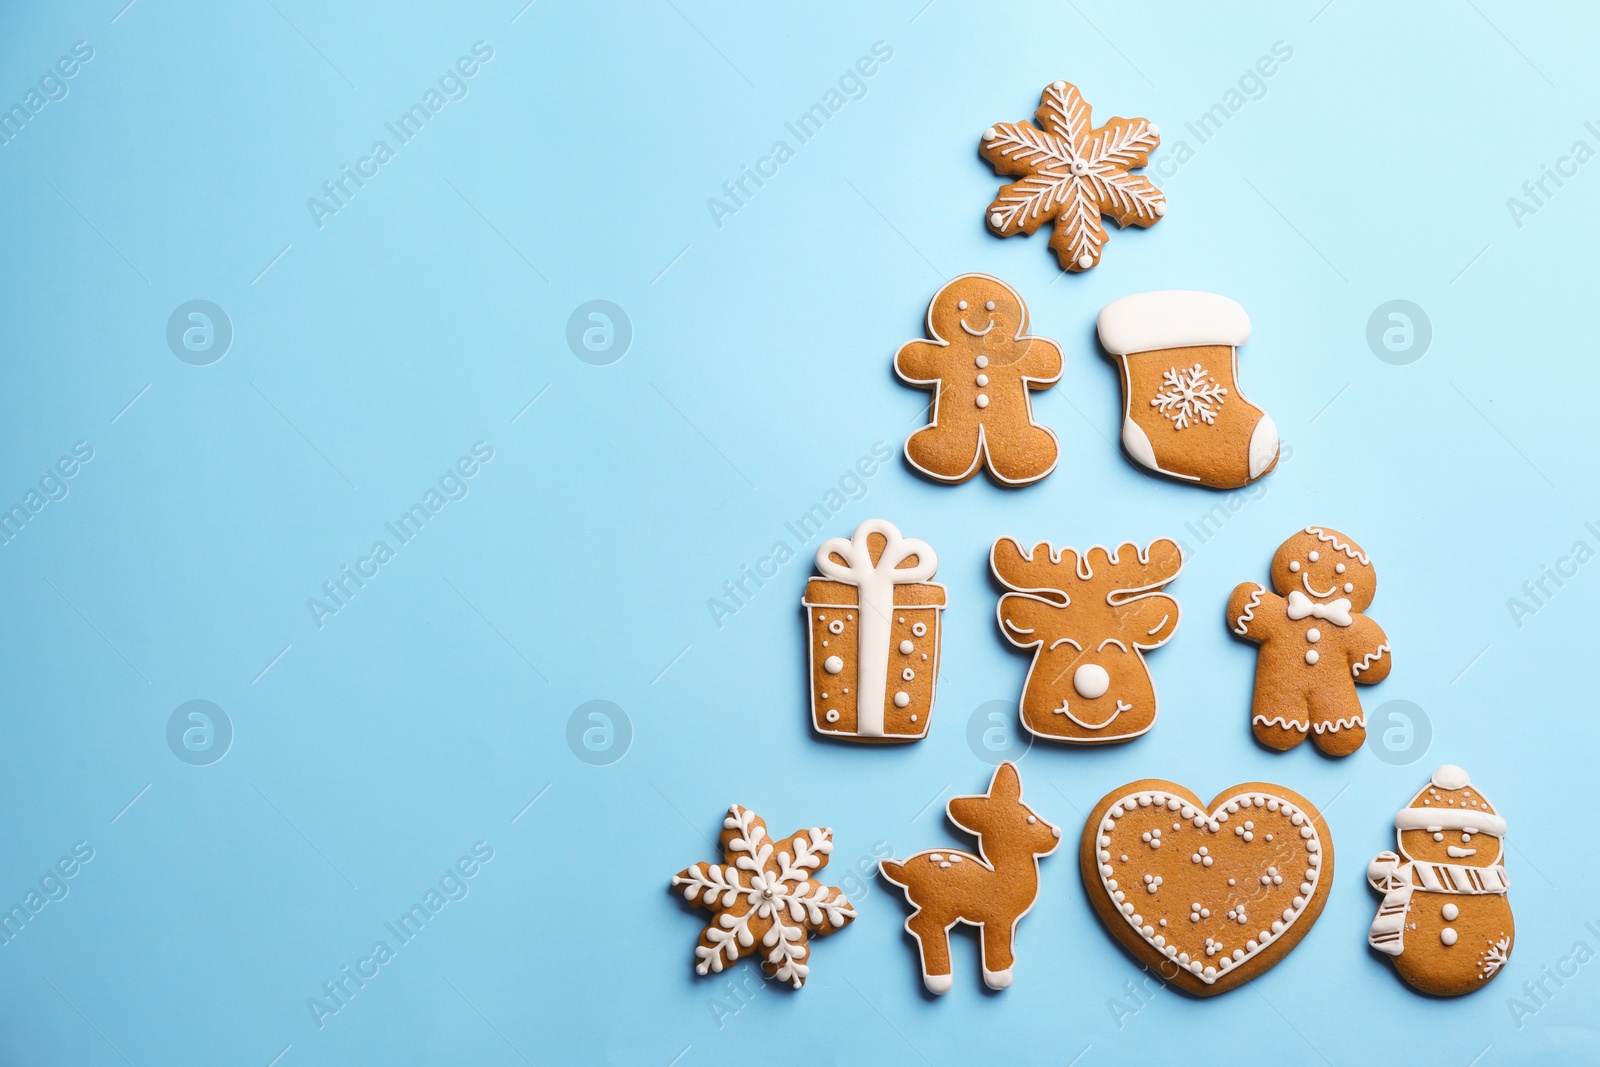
764,893
1494,957
1072,173
1187,394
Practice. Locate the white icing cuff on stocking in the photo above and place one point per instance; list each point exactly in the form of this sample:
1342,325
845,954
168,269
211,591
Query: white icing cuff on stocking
1174,318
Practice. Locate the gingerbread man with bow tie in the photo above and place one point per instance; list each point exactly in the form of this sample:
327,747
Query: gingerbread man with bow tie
1315,643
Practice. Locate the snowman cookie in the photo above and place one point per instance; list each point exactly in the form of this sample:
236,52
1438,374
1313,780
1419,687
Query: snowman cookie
1444,918
1315,643
981,365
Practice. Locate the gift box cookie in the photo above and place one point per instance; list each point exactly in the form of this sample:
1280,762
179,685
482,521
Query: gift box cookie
874,635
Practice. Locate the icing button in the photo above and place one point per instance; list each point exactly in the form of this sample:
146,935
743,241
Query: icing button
1448,936
983,401
1313,635
983,380
982,362
1312,657
833,664
1450,912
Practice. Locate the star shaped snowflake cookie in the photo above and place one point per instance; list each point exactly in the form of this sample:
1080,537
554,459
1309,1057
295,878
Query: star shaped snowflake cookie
1072,173
763,898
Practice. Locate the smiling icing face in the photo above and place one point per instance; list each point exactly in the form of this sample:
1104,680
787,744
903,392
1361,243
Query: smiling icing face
978,309
1324,565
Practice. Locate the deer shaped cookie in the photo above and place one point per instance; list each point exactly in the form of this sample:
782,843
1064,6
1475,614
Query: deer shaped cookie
1089,619
1315,642
992,890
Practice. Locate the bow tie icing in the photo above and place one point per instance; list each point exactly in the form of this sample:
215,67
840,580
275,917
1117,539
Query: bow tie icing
1335,611
875,583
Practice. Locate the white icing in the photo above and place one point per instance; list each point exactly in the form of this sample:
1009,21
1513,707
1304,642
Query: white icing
1240,624
919,628
982,401
906,648
1449,776
1300,606
983,380
832,715
1264,444
1294,566
1091,681
1272,806
1339,546
836,627
1313,635
982,362
1312,657
1174,318
875,593
833,664
1435,819
1447,936
1187,394
1313,555
901,699
1450,912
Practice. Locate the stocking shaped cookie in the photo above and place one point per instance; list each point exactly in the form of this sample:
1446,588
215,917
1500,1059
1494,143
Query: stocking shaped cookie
980,364
1444,917
1315,643
1183,413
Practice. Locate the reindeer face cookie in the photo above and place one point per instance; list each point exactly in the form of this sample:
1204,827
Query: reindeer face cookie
992,890
981,365
1445,919
1208,896
1089,620
1315,642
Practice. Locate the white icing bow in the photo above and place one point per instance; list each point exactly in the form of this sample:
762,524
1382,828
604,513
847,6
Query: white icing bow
1334,611
875,585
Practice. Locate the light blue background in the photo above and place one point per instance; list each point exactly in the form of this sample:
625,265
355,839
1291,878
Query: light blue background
369,354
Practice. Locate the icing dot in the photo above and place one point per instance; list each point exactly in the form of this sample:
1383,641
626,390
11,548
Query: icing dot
1438,837
1161,208
1059,86
994,220
983,380
908,674
902,699
1155,131
983,400
1349,587
833,664
831,716
913,718
1230,881
961,305
836,627
1313,555
1447,936
1294,566
1313,635
902,618
1450,912
1338,568
1312,657
919,628
988,135
988,305
1085,261
1306,831
906,648
982,362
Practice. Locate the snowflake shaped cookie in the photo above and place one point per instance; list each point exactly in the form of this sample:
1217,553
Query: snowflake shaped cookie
1189,393
763,898
1072,173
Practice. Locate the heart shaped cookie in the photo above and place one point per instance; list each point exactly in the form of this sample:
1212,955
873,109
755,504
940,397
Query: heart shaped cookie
1207,896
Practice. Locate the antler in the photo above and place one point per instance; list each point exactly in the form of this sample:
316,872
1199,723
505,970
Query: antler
1128,571
1039,571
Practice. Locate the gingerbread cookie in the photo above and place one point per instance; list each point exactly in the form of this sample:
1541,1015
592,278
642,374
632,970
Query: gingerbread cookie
764,897
1444,918
874,635
1183,413
980,364
1089,619
1072,173
1208,896
1315,643
992,890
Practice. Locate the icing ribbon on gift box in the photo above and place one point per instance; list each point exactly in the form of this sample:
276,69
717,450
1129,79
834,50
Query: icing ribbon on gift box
875,583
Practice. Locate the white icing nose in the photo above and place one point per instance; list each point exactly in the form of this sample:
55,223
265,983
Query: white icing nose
1263,446
1091,681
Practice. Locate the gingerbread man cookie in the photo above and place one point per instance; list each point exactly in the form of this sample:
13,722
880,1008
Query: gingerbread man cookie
980,364
1072,173
1315,643
764,898
1444,918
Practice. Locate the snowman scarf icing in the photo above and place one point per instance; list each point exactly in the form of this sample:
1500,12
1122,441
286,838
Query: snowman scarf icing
875,585
1398,878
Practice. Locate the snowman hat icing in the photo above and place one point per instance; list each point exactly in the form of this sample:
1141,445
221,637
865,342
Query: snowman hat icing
1435,819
